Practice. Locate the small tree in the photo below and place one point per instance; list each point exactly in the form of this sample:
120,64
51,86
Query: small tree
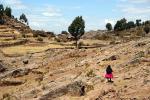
138,22
109,26
8,11
76,29
130,25
147,29
23,18
147,22
64,32
1,10
120,25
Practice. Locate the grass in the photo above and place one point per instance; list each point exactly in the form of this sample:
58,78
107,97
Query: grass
39,47
22,49
89,42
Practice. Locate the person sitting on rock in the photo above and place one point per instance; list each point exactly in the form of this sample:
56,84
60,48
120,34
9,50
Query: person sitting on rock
109,74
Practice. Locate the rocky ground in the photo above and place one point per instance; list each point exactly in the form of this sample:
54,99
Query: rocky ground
68,74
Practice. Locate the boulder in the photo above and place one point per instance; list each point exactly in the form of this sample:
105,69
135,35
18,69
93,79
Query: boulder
2,68
20,72
76,88
111,58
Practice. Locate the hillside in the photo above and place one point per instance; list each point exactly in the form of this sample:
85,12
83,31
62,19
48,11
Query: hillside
39,65
15,24
66,74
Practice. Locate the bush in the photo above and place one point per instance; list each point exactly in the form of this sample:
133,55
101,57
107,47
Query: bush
105,37
2,21
23,35
120,25
35,35
80,44
147,29
140,32
109,26
40,39
57,39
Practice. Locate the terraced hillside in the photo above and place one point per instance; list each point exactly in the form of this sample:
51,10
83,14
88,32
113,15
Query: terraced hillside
68,74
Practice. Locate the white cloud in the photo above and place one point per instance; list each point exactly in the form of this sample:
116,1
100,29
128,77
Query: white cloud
132,9
52,12
136,10
136,1
15,4
109,21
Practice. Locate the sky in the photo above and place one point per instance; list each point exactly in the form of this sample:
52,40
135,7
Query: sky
57,15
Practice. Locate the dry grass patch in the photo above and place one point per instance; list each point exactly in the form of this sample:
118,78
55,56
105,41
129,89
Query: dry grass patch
21,49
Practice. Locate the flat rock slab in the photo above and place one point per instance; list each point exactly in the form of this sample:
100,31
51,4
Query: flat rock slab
10,82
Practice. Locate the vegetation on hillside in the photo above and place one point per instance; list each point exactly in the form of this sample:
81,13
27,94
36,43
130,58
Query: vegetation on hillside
76,29
109,26
23,18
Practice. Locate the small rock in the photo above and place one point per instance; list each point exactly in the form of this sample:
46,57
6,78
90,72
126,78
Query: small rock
20,72
13,61
125,86
127,77
10,82
25,62
2,68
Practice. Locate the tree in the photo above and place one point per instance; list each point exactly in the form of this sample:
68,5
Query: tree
1,10
130,24
147,29
109,26
23,18
138,22
120,25
147,22
8,11
76,29
64,32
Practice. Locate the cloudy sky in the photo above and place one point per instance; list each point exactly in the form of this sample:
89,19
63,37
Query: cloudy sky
56,15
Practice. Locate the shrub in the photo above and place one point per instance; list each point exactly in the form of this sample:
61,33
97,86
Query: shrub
80,44
140,32
109,26
105,36
90,73
23,35
57,39
147,29
40,39
2,21
35,35
120,25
